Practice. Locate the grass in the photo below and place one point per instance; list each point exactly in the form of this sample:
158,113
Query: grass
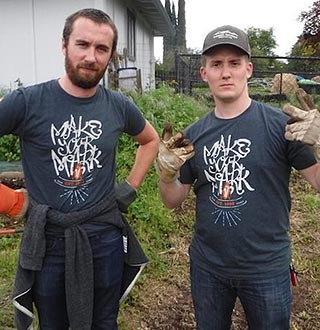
8,259
305,233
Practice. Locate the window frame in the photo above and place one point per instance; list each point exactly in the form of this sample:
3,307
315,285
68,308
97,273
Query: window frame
131,35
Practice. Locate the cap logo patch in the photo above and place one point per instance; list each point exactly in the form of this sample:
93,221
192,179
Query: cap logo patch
226,34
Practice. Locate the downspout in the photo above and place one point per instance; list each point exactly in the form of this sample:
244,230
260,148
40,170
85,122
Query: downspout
34,41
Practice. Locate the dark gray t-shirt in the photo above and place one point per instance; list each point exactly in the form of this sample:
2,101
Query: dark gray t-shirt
68,144
241,172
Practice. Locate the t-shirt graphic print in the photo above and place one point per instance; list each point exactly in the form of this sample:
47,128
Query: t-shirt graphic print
228,176
75,155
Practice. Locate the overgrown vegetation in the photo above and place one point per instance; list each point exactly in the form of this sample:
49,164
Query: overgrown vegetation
161,297
9,148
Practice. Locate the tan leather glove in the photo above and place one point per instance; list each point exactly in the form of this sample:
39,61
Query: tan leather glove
173,152
304,124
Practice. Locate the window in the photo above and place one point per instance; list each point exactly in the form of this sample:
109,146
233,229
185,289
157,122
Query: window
131,36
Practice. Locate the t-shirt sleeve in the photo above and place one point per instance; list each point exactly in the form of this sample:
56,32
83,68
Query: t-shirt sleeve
186,176
12,112
135,121
300,155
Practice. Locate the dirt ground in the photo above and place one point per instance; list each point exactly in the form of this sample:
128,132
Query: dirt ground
165,304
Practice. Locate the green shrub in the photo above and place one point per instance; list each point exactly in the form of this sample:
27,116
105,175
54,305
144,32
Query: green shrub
9,148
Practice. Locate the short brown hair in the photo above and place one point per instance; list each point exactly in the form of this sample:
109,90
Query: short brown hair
95,15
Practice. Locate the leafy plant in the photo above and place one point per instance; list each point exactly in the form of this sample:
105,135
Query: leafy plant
9,148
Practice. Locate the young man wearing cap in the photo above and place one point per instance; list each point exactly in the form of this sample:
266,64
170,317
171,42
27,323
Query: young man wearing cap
240,174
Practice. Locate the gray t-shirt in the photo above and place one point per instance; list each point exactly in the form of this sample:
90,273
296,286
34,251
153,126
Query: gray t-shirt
68,144
241,172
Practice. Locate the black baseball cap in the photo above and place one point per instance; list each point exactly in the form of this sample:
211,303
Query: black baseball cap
227,35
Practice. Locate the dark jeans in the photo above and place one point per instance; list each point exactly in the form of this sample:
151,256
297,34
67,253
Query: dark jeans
49,288
266,302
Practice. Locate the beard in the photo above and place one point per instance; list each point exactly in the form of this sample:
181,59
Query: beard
83,80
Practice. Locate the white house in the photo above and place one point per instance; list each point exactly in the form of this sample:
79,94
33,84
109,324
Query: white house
31,32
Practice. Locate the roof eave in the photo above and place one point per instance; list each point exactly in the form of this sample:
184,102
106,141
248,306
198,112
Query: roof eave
154,12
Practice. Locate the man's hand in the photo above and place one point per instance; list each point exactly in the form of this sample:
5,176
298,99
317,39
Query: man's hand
304,125
173,153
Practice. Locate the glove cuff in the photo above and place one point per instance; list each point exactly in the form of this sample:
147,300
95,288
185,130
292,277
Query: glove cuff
125,195
20,209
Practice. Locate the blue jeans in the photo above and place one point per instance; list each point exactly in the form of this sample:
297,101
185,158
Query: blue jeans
266,302
49,288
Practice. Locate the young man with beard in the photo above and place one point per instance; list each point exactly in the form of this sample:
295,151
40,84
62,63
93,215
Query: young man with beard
72,254
240,174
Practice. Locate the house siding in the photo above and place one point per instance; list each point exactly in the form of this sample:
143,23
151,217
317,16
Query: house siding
31,40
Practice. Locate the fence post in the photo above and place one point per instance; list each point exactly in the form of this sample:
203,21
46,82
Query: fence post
177,70
280,87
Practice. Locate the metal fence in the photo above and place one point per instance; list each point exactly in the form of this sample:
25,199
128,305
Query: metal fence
273,75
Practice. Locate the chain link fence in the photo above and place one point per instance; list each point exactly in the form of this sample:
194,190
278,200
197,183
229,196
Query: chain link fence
274,77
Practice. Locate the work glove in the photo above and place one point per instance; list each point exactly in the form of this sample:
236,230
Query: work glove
173,152
304,124
13,203
125,195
